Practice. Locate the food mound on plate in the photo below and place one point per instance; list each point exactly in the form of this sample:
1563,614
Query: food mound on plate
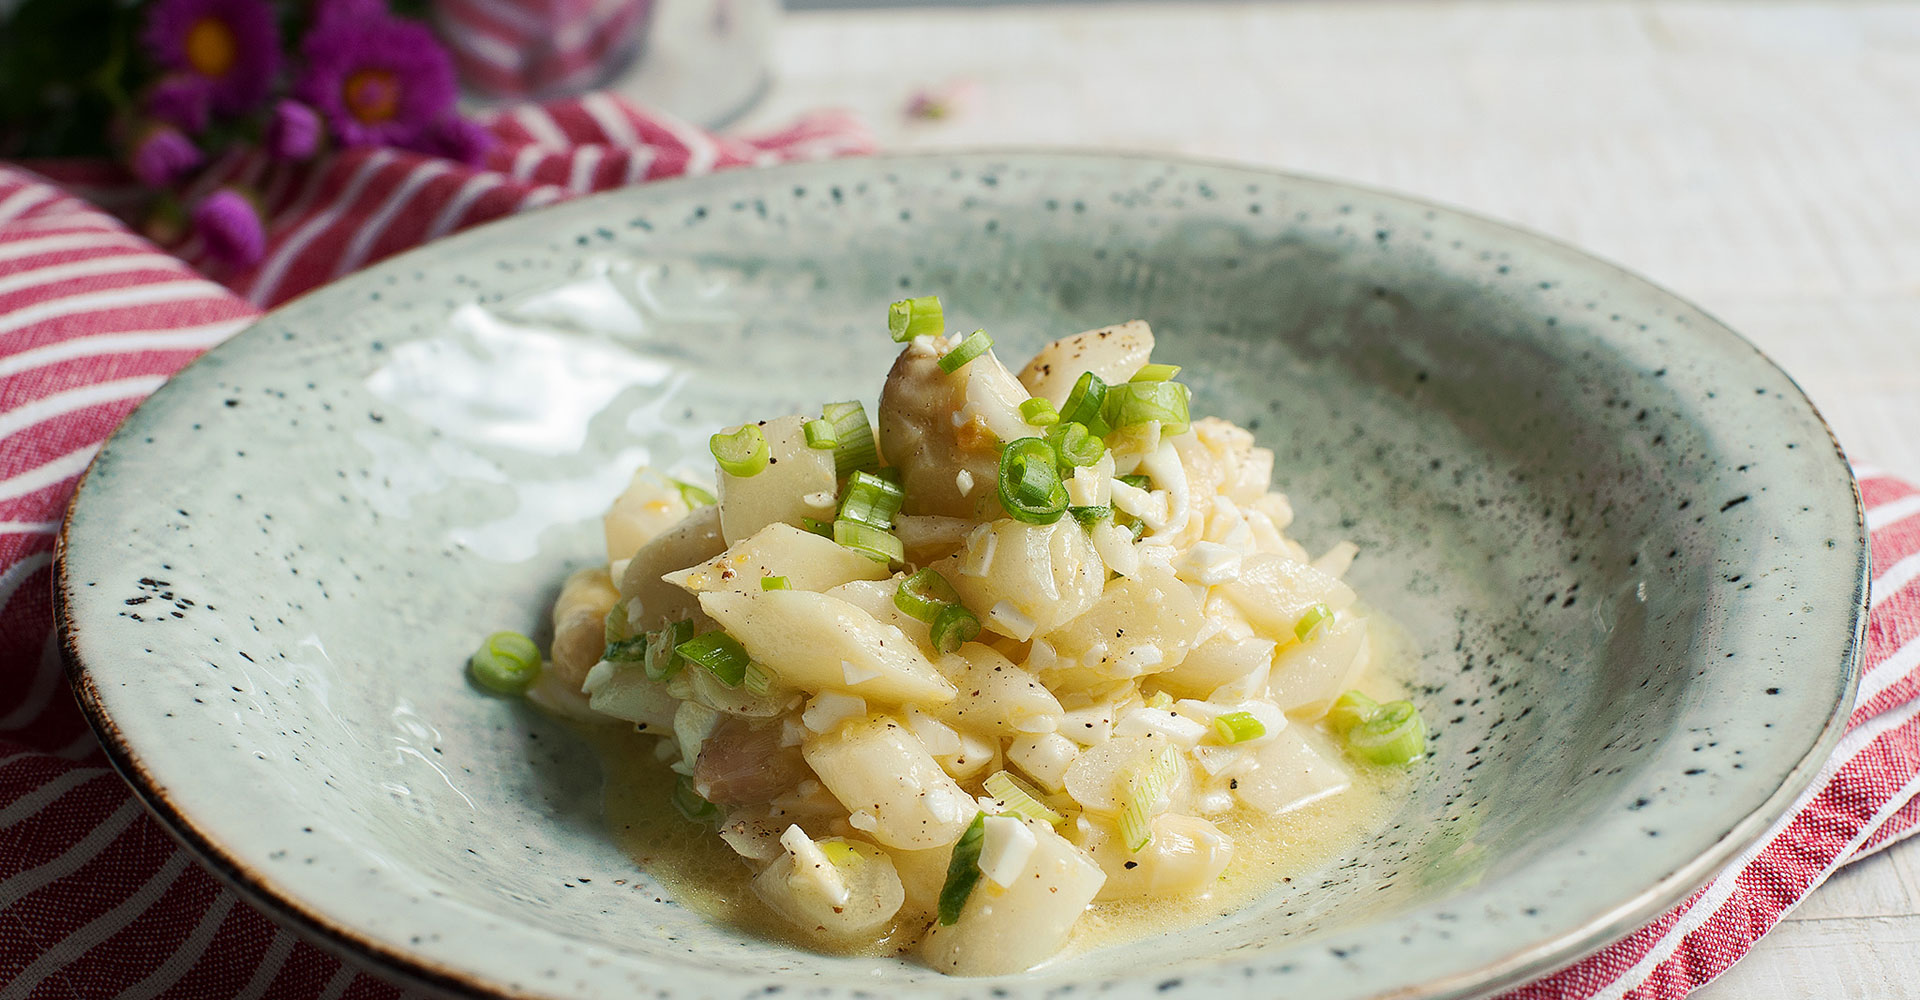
1020,654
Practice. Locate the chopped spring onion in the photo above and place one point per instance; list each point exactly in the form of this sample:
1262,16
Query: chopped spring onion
626,650
720,653
1350,710
1238,727
661,659
1138,402
954,627
820,434
1155,373
1039,412
663,653
822,528
1316,621
875,543
1030,486
1086,404
1145,786
1137,480
691,805
976,344
1396,735
853,437
1019,799
758,678
1160,699
1075,444
916,317
775,583
924,594
742,453
695,496
507,663
963,870
871,499
1090,515
615,627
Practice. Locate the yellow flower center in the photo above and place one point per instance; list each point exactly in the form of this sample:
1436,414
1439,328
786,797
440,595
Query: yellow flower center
211,48
373,95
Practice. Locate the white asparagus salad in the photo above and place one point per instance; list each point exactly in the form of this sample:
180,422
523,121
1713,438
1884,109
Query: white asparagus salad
1036,656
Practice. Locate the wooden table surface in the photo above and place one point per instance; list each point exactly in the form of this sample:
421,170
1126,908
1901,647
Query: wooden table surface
1762,160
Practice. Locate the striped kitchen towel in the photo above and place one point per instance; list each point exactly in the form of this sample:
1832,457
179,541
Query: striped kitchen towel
96,901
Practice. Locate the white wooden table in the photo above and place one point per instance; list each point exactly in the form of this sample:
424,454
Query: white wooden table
1762,160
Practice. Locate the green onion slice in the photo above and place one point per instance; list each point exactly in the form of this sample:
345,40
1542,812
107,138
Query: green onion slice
1085,404
1350,710
1396,736
758,678
1030,486
1090,516
820,434
626,650
1019,799
1137,481
871,499
690,805
720,653
1160,699
924,594
1155,373
1039,412
916,317
853,437
874,543
954,627
1138,402
1238,727
1312,624
976,344
615,627
742,453
663,653
839,852
963,870
507,663
695,496
822,528
1144,788
775,583
1075,444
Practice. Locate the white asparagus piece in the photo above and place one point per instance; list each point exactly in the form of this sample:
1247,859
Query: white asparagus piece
815,642
1012,929
893,788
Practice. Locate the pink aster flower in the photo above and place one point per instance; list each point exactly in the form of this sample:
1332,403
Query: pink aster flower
233,46
458,138
294,131
231,227
383,82
181,100
162,155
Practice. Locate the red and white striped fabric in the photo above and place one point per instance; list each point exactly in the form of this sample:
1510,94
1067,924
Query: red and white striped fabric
515,48
96,901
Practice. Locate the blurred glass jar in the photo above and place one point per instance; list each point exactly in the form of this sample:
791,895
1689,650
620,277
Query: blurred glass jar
703,60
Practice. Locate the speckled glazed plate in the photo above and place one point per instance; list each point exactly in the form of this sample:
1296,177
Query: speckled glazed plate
1629,555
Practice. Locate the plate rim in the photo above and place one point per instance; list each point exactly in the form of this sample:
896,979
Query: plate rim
1516,966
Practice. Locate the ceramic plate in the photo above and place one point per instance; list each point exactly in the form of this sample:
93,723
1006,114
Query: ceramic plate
1628,553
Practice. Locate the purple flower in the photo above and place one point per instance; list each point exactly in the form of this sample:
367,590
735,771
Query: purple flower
162,155
332,13
458,138
231,227
181,100
382,82
233,46
294,131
